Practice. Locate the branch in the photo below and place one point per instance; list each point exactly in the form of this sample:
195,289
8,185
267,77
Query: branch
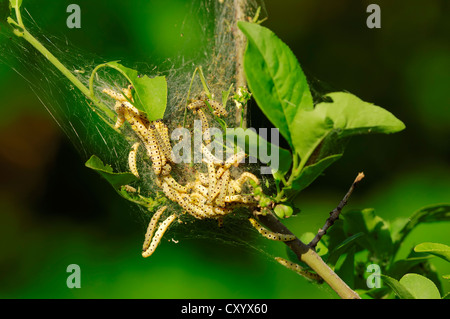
334,214
309,257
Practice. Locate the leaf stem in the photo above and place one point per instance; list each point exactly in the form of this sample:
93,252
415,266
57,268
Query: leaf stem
53,60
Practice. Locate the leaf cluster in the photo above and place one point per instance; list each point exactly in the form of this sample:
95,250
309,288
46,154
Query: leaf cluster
316,134
361,238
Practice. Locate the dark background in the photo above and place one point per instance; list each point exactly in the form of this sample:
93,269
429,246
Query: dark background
55,212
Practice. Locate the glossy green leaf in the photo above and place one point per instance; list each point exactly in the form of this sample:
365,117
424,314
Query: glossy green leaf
427,214
150,94
403,266
401,291
274,77
377,237
420,287
440,250
279,160
346,114
345,267
310,173
342,248
226,95
115,179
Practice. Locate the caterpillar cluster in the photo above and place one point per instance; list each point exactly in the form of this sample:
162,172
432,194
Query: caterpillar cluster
212,195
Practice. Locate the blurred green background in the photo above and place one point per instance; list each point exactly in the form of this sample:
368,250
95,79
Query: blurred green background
55,212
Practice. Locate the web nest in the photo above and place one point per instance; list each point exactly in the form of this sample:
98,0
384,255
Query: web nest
215,199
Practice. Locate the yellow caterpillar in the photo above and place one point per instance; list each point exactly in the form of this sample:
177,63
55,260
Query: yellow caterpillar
132,159
158,235
269,234
151,227
219,110
155,154
165,145
205,126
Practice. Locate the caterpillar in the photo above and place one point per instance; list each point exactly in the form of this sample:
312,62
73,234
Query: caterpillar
158,235
201,189
151,227
219,110
190,208
208,157
269,234
132,159
136,123
212,177
175,185
206,208
169,192
245,176
235,186
298,269
222,211
120,116
113,94
220,200
245,199
159,143
166,170
154,136
234,159
195,105
231,191
155,155
205,126
220,172
197,198
202,178
218,187
127,92
129,189
165,145
130,107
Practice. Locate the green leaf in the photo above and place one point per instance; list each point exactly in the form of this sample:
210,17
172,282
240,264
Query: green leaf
226,95
342,248
346,114
345,267
440,250
427,214
402,266
401,291
279,160
275,78
377,237
310,173
420,287
115,179
150,94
